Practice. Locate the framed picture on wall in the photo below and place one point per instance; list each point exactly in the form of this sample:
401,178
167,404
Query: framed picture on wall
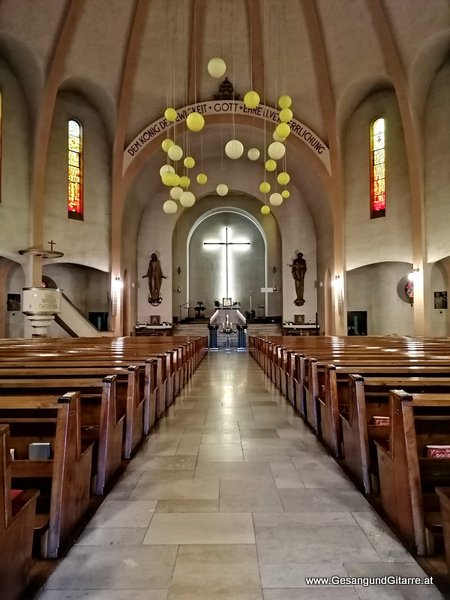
155,320
440,300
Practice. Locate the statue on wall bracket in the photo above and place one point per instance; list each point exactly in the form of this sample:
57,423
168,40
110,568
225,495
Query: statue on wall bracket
155,277
298,269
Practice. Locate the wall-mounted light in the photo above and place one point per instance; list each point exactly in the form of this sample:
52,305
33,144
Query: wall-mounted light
412,276
179,270
117,286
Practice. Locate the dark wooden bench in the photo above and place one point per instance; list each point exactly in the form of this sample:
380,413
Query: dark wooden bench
17,516
408,477
64,479
444,498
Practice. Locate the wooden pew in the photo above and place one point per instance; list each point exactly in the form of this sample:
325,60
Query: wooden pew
64,479
444,498
17,515
408,477
369,400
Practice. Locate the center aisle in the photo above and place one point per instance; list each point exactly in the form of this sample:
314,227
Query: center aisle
232,497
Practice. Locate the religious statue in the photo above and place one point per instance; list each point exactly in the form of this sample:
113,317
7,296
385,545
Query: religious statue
155,277
298,269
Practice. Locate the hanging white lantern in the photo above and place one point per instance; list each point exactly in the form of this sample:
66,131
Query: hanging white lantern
234,149
187,199
265,210
253,154
277,138
166,169
222,189
276,199
283,178
175,152
276,150
176,192
217,67
195,122
170,207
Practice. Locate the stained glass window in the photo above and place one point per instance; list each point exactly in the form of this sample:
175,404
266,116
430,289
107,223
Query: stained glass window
377,169
75,170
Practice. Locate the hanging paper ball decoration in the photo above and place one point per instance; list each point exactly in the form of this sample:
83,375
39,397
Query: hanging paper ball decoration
277,138
222,189
175,152
284,101
276,150
176,179
189,162
265,210
253,154
176,192
251,99
202,178
286,115
283,178
276,199
168,178
166,144
234,149
165,169
285,193
264,187
187,199
283,130
195,122
170,207
271,165
170,114
217,67
185,182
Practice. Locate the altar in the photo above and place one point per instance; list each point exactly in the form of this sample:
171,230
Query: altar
227,329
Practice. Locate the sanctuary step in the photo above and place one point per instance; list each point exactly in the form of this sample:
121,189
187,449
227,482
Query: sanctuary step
191,329
264,329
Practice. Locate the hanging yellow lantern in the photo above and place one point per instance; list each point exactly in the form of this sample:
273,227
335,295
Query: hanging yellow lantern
166,144
170,207
175,152
265,210
202,178
286,115
251,99
189,162
276,199
276,150
283,178
217,67
222,189
276,137
271,165
264,187
284,101
187,199
285,194
170,114
176,179
167,178
185,182
283,130
195,122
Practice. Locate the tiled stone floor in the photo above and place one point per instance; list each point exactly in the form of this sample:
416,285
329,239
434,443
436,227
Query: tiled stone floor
231,497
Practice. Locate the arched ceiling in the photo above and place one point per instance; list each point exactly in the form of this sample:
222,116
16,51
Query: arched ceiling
133,58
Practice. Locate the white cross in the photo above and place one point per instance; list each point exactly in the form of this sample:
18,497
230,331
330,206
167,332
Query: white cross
226,243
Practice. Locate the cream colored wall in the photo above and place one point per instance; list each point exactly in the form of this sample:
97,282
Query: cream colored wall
84,242
388,238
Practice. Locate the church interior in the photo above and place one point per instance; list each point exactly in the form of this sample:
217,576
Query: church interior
210,189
